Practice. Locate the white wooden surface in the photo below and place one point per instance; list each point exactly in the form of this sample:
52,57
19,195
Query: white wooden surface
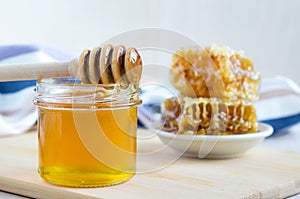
262,172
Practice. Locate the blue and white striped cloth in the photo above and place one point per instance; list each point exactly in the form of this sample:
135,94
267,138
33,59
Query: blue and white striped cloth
17,111
279,103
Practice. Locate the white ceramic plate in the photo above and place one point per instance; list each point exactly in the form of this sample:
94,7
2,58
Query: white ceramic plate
214,146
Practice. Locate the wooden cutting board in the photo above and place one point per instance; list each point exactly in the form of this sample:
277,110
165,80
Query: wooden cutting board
261,173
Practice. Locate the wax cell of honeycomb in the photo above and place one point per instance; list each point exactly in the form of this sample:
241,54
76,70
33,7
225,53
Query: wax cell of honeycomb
214,72
208,116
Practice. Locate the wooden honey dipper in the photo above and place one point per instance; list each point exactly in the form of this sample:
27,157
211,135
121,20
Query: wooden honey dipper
97,66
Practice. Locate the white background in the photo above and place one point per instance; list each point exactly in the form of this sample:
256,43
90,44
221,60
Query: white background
267,30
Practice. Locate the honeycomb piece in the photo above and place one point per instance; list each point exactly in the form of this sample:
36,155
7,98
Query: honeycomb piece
208,116
217,72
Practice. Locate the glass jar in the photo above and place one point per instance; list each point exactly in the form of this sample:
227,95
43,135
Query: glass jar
86,133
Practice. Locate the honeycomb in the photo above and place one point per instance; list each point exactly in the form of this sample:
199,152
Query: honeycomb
217,72
208,116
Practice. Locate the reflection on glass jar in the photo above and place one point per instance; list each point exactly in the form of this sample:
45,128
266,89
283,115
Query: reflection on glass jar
87,134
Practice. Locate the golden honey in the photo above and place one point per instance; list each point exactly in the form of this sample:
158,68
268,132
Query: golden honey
87,138
218,72
217,86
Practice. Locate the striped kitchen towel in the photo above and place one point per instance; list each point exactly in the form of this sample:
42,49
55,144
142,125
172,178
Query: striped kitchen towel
17,111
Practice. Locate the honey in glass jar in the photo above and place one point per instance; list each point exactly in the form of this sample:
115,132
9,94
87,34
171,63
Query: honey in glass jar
86,133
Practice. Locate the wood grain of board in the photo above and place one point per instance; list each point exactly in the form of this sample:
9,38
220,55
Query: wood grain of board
162,173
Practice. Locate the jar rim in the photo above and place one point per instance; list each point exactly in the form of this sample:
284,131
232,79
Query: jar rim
76,82
68,92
